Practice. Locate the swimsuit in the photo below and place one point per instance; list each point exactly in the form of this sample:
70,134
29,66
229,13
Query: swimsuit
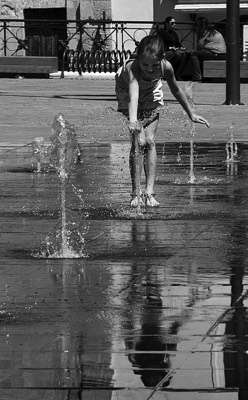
150,92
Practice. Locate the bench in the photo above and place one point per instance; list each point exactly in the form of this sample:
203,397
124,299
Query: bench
28,65
217,69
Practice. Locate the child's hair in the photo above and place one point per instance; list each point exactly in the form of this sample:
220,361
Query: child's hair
151,45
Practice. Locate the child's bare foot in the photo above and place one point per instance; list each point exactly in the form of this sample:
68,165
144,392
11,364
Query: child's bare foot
151,201
134,201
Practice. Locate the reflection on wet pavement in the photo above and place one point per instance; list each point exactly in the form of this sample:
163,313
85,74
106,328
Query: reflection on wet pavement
157,309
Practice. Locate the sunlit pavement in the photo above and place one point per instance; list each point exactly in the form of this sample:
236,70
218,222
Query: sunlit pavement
157,307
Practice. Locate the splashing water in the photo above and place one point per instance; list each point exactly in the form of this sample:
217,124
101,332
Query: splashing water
187,130
179,153
67,240
190,94
64,148
231,152
231,146
39,151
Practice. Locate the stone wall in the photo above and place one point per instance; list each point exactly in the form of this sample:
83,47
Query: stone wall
95,9
75,8
14,8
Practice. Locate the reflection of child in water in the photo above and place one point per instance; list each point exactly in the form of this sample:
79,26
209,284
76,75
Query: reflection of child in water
139,94
153,345
149,360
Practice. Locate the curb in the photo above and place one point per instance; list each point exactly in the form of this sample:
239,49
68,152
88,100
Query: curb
84,75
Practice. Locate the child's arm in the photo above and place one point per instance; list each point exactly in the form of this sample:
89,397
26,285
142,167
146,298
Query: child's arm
179,94
133,100
133,103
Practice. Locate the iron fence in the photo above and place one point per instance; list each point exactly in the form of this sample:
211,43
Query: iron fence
104,48
82,45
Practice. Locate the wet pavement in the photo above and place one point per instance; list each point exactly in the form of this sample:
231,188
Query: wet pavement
157,307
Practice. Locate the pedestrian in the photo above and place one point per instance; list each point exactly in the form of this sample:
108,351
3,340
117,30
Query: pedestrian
175,52
139,96
211,45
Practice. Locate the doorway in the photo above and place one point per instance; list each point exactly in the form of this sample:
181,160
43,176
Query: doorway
46,32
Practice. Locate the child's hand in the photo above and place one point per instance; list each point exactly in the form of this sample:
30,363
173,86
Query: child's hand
134,127
200,120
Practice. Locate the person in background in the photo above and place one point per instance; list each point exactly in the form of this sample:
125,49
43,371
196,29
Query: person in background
210,46
175,52
140,96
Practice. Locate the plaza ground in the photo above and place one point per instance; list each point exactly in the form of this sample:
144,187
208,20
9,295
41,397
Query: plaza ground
157,308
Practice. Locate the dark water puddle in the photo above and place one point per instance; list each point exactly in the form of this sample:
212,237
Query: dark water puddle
129,254
20,170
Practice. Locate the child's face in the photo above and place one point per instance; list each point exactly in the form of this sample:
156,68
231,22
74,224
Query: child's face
149,65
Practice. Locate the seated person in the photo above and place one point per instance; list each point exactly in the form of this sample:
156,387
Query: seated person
210,46
174,51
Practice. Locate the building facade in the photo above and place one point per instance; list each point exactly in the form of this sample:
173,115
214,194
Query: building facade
72,24
124,10
74,9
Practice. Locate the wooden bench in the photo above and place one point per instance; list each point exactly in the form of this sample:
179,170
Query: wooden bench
217,69
28,65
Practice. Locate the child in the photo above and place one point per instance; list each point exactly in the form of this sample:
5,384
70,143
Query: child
139,94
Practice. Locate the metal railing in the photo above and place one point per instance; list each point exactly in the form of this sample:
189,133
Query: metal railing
17,35
105,48
81,45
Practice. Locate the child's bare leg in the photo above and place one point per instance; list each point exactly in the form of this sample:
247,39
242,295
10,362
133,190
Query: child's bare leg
136,155
133,168
150,167
150,163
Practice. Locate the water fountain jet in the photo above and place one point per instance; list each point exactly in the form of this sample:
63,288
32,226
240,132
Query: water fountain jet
66,241
231,151
231,146
38,153
190,93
